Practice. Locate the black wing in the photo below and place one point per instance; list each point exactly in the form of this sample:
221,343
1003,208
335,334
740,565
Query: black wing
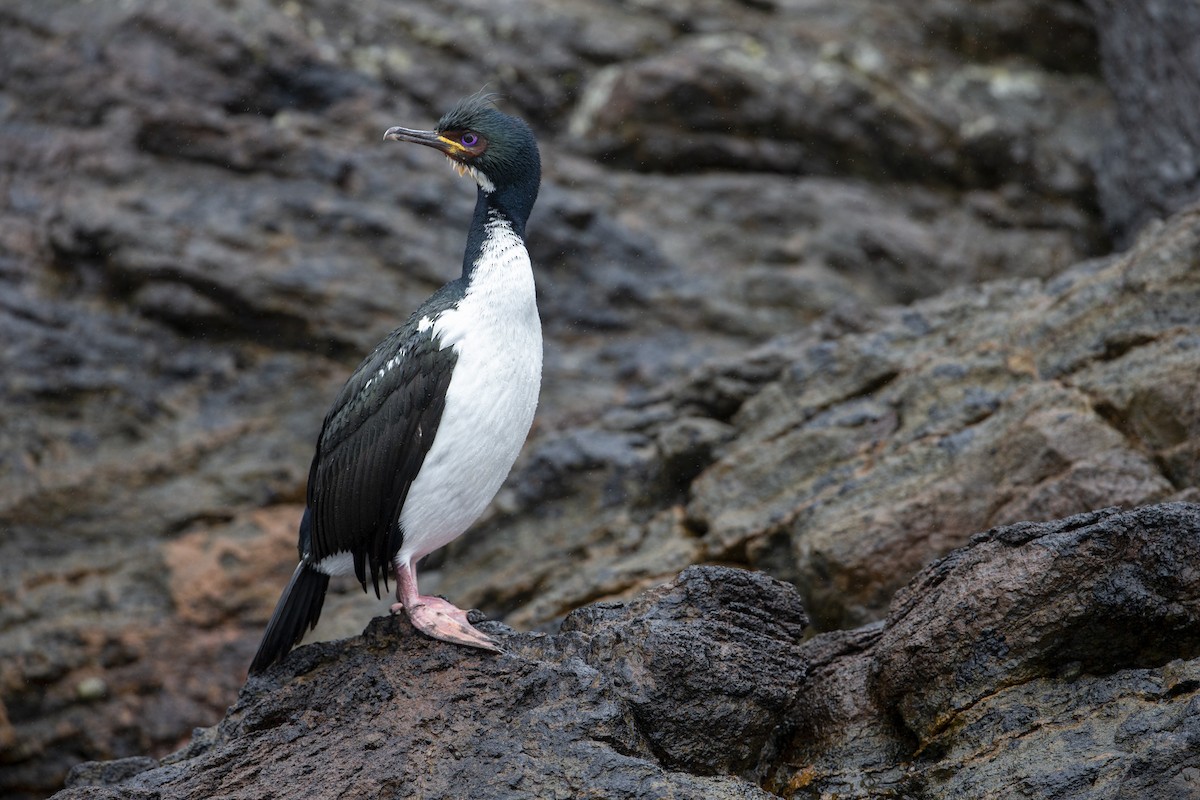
371,446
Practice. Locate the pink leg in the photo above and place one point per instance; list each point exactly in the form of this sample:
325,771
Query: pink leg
436,617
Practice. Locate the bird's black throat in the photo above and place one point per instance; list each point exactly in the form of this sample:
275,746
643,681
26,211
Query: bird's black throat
512,203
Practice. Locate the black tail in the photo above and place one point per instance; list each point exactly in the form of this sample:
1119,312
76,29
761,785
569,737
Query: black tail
297,612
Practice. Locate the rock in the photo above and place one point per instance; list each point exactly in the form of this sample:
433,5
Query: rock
1100,592
108,773
1053,659
779,100
1150,164
846,461
638,700
1059,35
201,233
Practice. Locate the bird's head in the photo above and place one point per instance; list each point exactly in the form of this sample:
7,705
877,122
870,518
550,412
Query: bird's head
497,150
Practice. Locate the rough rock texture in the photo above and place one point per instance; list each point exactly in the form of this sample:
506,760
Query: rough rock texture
1051,660
201,233
1042,660
844,461
671,695
1151,56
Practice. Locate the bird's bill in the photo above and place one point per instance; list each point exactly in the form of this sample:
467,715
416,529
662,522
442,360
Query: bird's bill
428,138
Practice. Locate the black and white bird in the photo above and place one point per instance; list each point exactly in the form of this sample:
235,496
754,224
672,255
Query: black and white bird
423,433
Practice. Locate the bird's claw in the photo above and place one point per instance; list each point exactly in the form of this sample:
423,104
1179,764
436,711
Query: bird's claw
440,619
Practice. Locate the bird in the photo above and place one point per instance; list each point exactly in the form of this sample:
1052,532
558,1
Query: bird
424,432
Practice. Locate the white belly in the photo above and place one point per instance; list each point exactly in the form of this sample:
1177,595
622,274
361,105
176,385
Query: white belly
490,401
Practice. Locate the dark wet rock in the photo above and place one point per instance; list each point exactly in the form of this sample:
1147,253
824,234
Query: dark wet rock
1051,659
1151,157
1059,35
108,773
201,233
782,101
1022,673
846,460
672,695
1099,593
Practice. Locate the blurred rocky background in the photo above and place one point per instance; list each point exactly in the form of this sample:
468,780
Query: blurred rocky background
829,288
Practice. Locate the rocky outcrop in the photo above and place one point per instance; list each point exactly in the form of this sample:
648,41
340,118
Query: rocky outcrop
1054,660
200,233
1150,159
845,460
1041,660
626,701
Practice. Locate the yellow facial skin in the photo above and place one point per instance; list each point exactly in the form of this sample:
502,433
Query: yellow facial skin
459,154
452,148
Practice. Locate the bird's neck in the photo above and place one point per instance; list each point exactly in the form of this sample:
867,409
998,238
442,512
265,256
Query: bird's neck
498,293
510,206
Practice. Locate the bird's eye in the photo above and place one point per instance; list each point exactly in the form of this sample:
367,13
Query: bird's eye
469,139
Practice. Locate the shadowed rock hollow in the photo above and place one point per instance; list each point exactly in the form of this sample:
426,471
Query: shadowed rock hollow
828,288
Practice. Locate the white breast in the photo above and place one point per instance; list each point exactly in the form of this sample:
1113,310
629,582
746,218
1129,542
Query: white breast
490,402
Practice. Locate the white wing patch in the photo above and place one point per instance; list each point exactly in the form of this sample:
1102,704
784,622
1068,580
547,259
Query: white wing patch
336,564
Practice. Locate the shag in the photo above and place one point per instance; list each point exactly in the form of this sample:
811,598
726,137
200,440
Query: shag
424,432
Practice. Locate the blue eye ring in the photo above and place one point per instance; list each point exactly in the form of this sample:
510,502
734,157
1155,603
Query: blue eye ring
469,139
